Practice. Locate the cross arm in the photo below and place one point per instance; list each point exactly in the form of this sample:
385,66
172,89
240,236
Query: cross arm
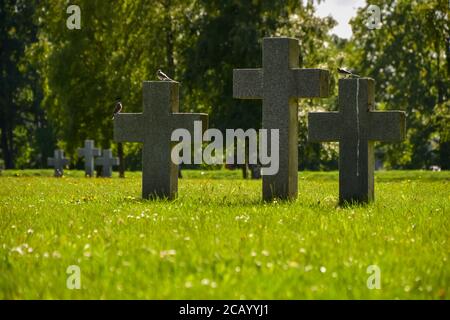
310,83
95,152
323,126
129,127
387,126
186,121
248,83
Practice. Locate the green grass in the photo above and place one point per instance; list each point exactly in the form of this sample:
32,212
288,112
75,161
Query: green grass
218,240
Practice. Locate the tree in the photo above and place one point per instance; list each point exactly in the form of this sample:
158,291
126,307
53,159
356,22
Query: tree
409,58
22,122
83,71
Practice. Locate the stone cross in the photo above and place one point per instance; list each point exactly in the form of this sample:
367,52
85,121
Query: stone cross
107,161
279,83
89,152
58,162
153,127
356,126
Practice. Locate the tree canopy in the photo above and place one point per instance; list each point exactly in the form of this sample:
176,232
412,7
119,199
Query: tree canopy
59,85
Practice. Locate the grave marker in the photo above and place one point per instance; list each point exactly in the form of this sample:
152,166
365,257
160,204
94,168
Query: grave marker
107,161
153,127
356,126
279,84
58,162
89,152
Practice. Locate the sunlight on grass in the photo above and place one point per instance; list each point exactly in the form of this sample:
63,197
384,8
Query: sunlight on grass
219,240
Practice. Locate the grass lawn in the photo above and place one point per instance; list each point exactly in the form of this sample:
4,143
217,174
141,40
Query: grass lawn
218,240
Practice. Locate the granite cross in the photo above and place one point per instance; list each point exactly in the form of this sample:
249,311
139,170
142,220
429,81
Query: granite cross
279,83
107,161
153,127
58,162
356,126
89,152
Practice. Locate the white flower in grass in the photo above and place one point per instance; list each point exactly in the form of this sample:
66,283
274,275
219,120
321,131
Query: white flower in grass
323,269
167,253
205,282
30,231
18,250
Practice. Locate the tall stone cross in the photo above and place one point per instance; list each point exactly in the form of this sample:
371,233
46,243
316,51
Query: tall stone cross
356,126
58,162
107,161
279,84
89,152
153,127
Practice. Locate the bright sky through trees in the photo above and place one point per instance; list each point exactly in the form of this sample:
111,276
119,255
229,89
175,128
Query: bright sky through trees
342,11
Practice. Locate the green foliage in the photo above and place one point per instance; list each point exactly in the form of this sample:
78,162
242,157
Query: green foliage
218,240
196,42
410,61
20,91
72,77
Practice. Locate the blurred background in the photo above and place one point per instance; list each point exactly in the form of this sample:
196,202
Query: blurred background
58,86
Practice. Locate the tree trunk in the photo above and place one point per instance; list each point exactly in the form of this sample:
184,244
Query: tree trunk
7,146
444,155
168,27
244,171
244,166
121,160
444,145
170,59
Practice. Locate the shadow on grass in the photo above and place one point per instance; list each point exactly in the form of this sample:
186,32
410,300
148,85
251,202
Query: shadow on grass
406,176
352,204
225,201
